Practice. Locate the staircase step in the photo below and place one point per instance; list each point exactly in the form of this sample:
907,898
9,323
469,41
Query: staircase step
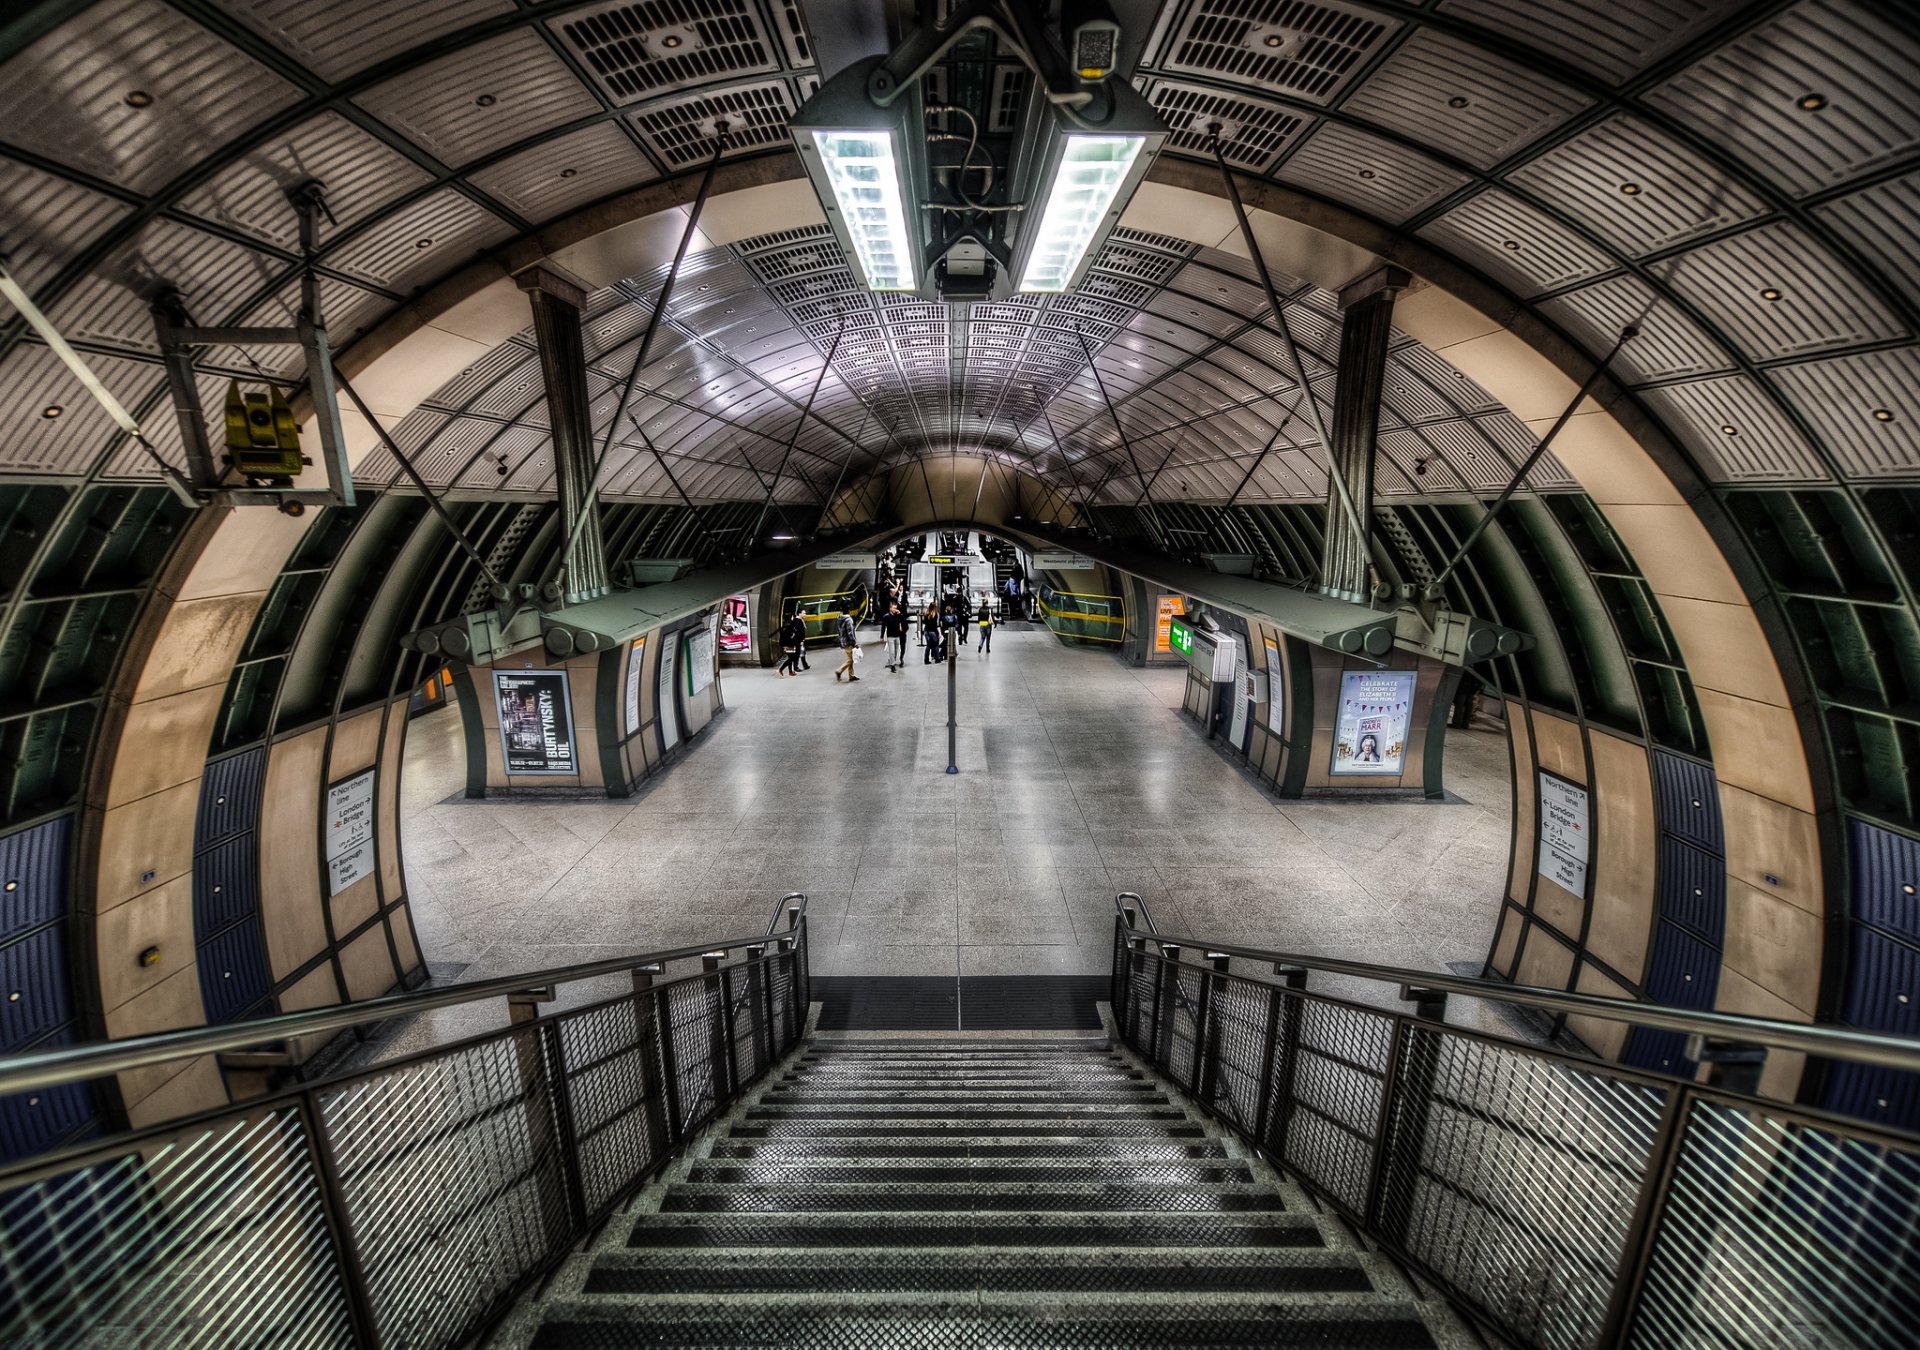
831,1151
1125,1127
935,1197
968,1111
980,1172
1225,1232
1075,1096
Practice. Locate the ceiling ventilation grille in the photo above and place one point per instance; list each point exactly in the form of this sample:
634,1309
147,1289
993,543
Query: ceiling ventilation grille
793,34
1251,135
656,46
1008,100
1292,47
681,130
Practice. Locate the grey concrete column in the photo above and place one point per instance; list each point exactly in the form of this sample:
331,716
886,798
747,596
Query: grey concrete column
1367,323
557,303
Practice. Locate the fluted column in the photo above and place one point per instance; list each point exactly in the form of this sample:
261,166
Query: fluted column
557,303
1366,327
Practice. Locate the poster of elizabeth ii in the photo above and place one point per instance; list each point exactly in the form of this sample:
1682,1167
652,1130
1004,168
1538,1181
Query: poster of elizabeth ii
1370,736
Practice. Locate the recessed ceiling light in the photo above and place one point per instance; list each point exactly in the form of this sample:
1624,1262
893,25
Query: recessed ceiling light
139,98
1631,189
1770,294
485,101
423,243
670,41
51,411
1812,102
1883,414
1273,39
1457,101
568,173
1366,173
1731,431
1512,245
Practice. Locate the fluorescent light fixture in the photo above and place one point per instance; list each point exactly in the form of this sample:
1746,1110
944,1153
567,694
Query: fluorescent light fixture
868,166
864,173
1091,173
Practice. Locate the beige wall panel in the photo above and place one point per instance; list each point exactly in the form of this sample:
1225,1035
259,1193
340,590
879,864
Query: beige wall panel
401,922
1766,839
1774,944
1520,862
1624,853
356,904
1675,553
1558,749
161,917
1319,755
171,1004
290,852
1438,318
418,364
247,552
356,742
316,989
1606,1037
1608,462
1544,963
367,964
1738,994
1506,941
164,743
789,205
387,840
1327,670
1756,746
1725,648
1559,907
154,835
195,1088
197,644
1506,367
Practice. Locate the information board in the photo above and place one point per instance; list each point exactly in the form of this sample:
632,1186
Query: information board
1062,562
636,653
1276,690
1179,635
1563,832
350,816
736,625
1166,608
1370,732
668,710
847,562
536,721
700,650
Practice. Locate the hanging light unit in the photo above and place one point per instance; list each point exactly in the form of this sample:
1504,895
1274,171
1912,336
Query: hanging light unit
867,166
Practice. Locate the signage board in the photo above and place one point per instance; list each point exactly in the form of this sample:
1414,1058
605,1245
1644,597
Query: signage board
350,816
536,721
1563,833
1241,693
1179,635
1062,562
1370,728
700,655
1166,608
736,625
666,708
1276,690
636,652
847,562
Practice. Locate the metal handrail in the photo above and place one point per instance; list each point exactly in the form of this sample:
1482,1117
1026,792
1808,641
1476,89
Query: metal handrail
1139,906
1893,1052
41,1069
791,912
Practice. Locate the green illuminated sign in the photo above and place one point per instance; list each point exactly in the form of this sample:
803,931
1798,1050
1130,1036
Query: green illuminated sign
1180,637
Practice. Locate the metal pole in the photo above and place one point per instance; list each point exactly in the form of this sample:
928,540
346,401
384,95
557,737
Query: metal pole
1152,513
820,379
953,703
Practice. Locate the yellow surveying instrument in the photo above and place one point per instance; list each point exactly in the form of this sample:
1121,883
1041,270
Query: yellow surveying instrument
262,441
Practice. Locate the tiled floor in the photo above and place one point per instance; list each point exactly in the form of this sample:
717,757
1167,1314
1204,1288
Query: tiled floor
1079,778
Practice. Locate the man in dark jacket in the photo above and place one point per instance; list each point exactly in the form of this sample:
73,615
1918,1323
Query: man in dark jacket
849,644
893,627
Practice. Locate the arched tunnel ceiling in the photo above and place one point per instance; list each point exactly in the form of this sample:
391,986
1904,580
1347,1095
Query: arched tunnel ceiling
1747,170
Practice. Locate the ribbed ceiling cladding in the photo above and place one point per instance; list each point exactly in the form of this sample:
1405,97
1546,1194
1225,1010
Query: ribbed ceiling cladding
1611,38
1736,431
1748,95
680,130
46,221
482,98
1669,345
1252,133
1518,245
1777,293
429,238
69,442
1460,98
1883,222
1296,47
1636,187
65,97
213,275
1842,399
1369,172
336,38
563,175
639,48
349,310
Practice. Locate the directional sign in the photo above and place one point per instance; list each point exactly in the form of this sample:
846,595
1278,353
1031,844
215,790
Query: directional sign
1564,835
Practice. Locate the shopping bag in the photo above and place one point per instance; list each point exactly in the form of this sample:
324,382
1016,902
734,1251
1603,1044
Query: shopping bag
858,656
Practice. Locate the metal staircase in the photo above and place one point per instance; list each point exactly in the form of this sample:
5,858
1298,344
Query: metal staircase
974,1191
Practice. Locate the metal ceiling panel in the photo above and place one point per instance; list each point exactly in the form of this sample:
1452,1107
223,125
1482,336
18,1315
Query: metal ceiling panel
46,222
1611,38
340,37
1735,431
1296,47
637,49
427,239
513,395
1409,396
1636,187
78,430
562,175
1669,345
134,93
1369,173
481,98
1516,245
1252,132
1824,93
213,275
1242,296
1865,409
1433,368
480,375
1211,319
1883,222
360,173
681,130
1775,293
1470,458
1462,99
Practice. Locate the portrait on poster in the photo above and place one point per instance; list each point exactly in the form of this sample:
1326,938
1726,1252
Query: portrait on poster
1370,733
536,721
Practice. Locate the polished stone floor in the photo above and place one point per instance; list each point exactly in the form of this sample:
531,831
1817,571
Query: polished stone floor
1079,778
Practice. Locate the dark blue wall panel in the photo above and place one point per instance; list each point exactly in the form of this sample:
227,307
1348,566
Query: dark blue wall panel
233,972
1683,783
229,797
1883,983
36,994
32,1122
1886,878
1660,1051
226,887
1866,1092
1684,971
33,876
1693,888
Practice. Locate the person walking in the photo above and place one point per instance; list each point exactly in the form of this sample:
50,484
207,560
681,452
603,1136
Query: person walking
793,641
929,635
986,626
894,629
850,645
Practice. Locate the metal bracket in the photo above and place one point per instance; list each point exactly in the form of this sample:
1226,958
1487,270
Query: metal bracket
1015,25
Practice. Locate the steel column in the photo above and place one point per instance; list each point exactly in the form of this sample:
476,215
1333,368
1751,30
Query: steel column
1365,330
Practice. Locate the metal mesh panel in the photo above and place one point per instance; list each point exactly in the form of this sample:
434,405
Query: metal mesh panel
1782,1233
212,1237
1338,1075
451,1172
1514,1177
612,1086
1239,1020
692,1010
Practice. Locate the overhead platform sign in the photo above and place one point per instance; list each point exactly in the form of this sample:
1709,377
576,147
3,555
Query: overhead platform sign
847,562
1058,561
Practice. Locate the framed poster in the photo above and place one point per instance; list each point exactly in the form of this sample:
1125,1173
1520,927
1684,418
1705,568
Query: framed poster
700,655
1563,832
736,625
1167,607
1276,690
668,709
1370,731
536,721
636,659
350,817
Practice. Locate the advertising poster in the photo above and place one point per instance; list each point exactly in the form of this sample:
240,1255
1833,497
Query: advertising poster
636,658
1169,605
1370,735
536,721
349,831
736,626
1276,690
669,710
700,648
1563,833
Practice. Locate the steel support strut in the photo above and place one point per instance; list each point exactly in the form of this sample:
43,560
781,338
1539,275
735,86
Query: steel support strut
1145,486
787,454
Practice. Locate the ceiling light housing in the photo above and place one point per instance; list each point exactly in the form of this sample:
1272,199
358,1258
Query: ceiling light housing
868,165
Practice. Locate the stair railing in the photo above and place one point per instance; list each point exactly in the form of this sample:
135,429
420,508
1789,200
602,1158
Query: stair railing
404,1204
1560,1200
